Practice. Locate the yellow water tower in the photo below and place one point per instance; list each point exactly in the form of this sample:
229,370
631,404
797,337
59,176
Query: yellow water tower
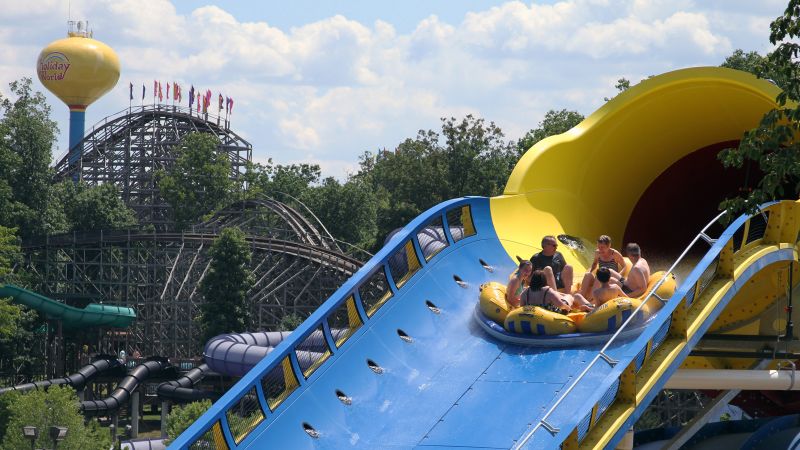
78,70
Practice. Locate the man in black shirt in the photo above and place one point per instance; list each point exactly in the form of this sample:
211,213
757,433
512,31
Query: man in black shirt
556,270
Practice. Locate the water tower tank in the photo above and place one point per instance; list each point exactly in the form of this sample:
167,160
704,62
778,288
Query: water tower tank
78,70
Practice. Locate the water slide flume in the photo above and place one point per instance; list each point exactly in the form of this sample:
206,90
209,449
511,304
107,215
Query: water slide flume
102,365
93,315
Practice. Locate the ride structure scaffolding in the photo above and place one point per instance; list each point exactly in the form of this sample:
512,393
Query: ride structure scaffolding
129,147
158,271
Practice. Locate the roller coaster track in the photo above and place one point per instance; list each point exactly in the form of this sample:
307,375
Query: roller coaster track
323,256
302,227
114,129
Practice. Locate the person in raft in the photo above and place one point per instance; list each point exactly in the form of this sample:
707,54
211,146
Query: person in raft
635,284
606,291
519,282
556,270
542,295
604,256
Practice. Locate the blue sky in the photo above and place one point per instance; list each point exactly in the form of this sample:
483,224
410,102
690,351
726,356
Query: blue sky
324,81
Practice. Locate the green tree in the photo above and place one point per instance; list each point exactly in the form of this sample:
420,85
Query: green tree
756,64
5,414
468,157
27,135
751,62
16,322
99,208
181,417
478,160
199,182
289,322
275,180
225,308
10,315
623,84
58,406
79,207
348,210
772,146
554,122
9,251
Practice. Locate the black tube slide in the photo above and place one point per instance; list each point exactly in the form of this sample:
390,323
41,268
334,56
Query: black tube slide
181,389
78,380
122,393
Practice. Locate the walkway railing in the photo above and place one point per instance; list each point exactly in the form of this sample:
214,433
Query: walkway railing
285,373
672,321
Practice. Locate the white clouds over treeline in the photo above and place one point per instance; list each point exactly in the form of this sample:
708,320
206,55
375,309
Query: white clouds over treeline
328,90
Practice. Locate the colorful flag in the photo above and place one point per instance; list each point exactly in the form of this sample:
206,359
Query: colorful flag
175,90
231,109
155,88
131,91
143,92
191,96
160,92
167,91
220,102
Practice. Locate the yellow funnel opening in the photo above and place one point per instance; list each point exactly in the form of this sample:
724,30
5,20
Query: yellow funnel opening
589,180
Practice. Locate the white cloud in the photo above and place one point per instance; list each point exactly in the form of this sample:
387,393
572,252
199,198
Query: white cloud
327,90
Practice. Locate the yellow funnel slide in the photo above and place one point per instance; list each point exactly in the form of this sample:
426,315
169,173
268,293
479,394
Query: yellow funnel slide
641,168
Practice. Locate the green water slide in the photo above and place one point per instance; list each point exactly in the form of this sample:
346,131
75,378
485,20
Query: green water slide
93,315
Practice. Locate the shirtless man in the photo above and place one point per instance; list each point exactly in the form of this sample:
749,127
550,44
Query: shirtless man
606,291
518,283
604,256
556,270
540,294
635,284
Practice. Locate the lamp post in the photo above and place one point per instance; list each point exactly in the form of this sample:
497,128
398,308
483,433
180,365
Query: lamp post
31,433
57,434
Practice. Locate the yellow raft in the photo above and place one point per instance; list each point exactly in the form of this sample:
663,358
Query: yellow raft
493,301
537,321
612,314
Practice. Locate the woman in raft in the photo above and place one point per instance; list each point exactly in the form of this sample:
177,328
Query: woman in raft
540,294
519,282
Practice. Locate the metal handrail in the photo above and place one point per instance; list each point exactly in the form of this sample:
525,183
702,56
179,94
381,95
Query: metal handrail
601,354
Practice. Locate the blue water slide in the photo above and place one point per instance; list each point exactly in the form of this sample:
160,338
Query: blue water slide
415,369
